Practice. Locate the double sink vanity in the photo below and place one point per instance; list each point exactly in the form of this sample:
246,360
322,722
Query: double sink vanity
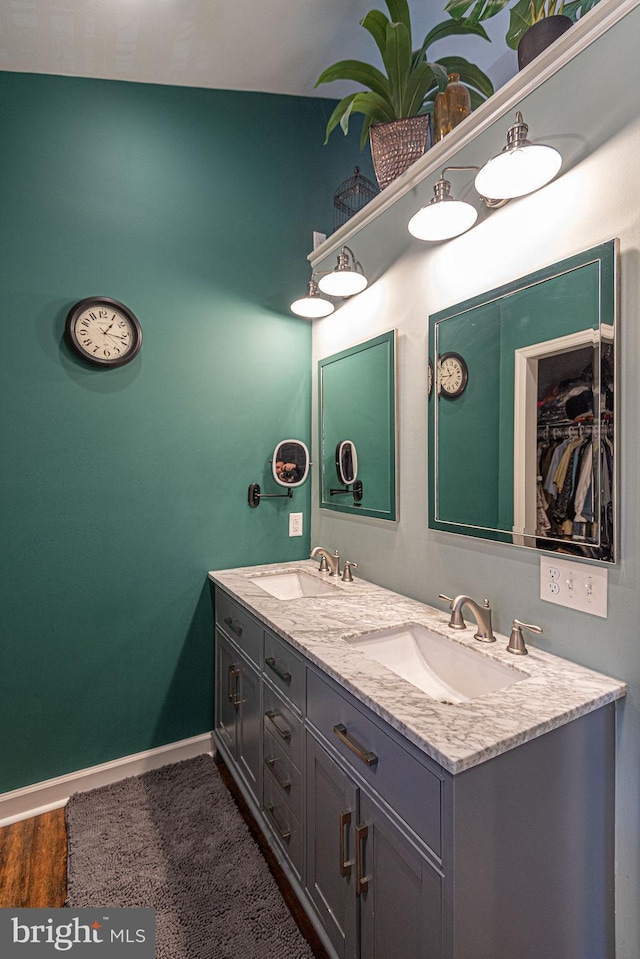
429,796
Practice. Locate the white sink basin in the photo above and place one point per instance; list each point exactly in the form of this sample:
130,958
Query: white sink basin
442,668
292,584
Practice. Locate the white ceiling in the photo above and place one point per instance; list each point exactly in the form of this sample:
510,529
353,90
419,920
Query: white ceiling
272,46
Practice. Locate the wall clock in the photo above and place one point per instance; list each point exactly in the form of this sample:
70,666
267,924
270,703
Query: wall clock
103,331
453,375
430,379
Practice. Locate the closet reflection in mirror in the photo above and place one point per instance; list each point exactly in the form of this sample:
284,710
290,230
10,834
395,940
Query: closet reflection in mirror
526,454
356,390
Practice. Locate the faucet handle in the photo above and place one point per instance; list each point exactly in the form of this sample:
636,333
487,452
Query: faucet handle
324,566
347,576
449,599
516,640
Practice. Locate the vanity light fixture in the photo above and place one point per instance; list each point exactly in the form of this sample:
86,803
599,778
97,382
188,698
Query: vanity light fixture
443,217
313,305
522,167
346,279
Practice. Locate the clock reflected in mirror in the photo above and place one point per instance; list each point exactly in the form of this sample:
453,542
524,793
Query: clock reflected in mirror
103,332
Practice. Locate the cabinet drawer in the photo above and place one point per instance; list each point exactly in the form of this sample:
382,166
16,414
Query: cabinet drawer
284,824
283,724
411,789
283,775
284,668
245,631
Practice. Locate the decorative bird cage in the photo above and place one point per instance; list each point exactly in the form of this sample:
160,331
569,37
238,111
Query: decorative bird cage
351,196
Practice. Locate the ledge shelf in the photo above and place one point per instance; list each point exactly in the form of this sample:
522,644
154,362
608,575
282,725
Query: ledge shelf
506,100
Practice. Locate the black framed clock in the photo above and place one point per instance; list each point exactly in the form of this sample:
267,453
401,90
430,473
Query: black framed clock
453,375
103,331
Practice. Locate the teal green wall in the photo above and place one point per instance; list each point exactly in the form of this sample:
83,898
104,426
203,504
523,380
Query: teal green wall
121,488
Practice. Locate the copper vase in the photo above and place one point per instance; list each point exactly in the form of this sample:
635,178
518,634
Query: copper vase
451,107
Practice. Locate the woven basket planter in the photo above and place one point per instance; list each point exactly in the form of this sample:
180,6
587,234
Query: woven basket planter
397,144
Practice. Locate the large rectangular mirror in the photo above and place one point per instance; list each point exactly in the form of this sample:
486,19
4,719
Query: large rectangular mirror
523,411
357,402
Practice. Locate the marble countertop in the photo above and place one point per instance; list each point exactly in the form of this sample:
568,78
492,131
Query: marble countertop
551,692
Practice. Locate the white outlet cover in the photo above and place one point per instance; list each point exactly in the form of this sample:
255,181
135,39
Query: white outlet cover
581,586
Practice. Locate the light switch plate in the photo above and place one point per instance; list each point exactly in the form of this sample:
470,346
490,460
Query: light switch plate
576,585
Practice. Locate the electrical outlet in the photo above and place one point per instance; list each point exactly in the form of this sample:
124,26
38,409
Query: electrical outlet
576,585
295,524
318,238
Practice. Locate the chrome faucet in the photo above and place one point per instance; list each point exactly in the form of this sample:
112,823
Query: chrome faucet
481,614
333,562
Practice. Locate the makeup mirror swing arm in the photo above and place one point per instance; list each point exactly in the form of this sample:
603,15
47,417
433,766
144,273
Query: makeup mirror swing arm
255,495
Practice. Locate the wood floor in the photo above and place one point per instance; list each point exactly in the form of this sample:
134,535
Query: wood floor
33,864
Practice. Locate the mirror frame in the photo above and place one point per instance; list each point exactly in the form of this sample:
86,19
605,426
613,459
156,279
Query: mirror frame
606,256
388,341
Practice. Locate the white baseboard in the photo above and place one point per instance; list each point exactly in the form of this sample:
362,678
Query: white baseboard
53,793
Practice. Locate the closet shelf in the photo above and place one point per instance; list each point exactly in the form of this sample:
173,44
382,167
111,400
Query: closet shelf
505,101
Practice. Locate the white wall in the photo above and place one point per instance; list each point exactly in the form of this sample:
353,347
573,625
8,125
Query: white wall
590,111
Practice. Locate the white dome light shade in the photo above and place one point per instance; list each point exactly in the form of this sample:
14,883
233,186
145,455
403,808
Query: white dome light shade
343,283
346,279
312,306
442,220
443,217
519,171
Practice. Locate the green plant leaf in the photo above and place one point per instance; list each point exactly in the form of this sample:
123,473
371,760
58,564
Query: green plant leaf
421,80
399,13
376,23
521,18
470,74
450,28
359,72
578,8
398,61
481,9
336,117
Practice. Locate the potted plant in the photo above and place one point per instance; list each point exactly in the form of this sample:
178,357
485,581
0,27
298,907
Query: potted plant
533,24
396,102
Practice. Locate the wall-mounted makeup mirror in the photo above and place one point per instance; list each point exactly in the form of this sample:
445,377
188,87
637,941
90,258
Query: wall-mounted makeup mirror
290,463
347,470
522,419
357,399
289,467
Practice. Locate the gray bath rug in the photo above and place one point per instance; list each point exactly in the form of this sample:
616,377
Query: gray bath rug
173,839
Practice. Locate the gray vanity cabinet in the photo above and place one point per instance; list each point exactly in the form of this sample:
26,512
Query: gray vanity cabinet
376,893
238,719
389,853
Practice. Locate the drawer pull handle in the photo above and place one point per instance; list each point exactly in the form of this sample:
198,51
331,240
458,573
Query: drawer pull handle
283,831
345,864
272,715
234,627
362,882
232,686
283,783
367,757
284,676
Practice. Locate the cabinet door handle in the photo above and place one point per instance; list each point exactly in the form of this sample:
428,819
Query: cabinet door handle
234,627
283,831
367,757
345,864
232,686
362,882
284,676
283,783
272,715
